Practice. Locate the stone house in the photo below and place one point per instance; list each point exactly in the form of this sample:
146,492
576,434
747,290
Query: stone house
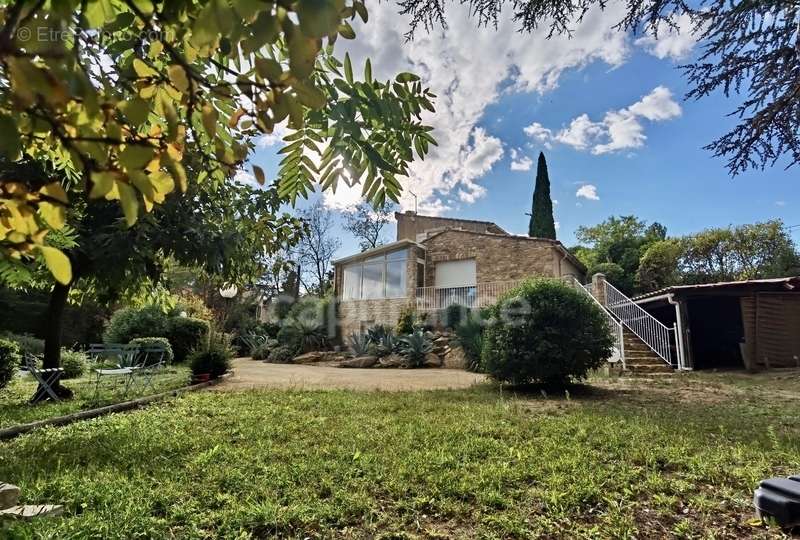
436,262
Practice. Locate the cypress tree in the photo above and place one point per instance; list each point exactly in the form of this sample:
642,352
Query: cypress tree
542,224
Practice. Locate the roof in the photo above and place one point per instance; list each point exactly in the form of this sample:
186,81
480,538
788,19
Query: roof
555,243
378,250
787,283
492,223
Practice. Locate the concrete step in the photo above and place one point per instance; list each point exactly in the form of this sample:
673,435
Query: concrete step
648,368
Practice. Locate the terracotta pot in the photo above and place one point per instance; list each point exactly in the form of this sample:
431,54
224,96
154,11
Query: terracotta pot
201,378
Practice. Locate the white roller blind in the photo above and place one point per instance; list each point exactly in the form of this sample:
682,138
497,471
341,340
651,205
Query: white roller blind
456,273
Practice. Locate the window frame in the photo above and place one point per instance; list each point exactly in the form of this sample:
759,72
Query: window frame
385,259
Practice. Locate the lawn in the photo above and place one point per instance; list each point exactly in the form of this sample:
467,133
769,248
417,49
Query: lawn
676,458
15,409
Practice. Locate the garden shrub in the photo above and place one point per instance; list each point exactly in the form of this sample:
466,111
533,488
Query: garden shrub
9,361
281,355
28,344
169,356
470,337
130,323
415,347
308,325
406,321
452,315
186,334
214,360
74,363
545,332
262,350
359,344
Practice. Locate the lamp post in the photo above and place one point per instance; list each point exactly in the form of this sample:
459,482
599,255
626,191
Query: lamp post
227,292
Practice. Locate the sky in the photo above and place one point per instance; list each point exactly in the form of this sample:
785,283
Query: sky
605,107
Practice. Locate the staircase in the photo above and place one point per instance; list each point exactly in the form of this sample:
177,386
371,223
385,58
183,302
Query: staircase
640,358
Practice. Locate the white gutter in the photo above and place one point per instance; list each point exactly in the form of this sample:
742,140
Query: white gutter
678,332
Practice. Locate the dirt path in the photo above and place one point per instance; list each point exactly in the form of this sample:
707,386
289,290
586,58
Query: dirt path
254,374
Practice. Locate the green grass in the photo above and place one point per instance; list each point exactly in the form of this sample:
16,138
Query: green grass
644,460
15,409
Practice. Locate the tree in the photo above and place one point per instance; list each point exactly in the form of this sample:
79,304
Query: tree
366,222
658,267
620,240
317,248
114,108
749,48
542,224
221,229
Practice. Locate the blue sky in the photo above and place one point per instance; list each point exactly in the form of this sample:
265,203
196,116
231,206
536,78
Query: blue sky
492,85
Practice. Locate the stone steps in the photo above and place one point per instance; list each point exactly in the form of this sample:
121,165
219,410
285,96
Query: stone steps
640,358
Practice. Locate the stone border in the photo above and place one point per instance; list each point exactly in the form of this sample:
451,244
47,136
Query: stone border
20,429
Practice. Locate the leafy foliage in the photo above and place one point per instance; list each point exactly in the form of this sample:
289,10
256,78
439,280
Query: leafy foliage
27,343
74,364
186,334
10,359
415,347
115,105
263,350
214,360
129,323
153,342
359,344
542,223
470,337
309,325
546,332
748,48
281,354
407,321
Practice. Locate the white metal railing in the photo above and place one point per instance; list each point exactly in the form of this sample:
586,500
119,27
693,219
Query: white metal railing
471,296
637,320
618,355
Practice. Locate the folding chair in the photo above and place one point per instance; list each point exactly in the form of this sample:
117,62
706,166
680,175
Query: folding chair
126,356
47,378
151,362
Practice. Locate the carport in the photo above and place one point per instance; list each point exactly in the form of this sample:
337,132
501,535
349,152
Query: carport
751,324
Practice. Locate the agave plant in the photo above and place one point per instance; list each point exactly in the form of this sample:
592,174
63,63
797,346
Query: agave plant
415,347
253,340
382,337
359,344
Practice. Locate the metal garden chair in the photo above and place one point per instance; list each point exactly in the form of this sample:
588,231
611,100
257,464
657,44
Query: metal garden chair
151,362
126,359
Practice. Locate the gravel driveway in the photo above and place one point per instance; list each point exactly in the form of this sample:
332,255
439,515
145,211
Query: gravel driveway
254,374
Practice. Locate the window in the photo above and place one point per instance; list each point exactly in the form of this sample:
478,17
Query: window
383,276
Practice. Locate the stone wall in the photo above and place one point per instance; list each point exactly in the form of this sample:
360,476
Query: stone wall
497,258
410,224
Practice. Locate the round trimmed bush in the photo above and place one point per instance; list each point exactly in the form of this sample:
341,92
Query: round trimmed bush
9,361
129,323
187,334
155,342
281,355
545,332
73,363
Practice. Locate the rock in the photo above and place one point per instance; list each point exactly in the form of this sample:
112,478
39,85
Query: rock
308,358
392,361
359,362
432,360
9,495
31,511
455,359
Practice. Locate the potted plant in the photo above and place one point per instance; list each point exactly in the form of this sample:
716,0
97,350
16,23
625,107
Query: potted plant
210,362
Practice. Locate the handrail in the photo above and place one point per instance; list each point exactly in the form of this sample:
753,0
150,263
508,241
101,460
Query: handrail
649,329
616,328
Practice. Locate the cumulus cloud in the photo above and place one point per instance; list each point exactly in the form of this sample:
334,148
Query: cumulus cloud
520,162
674,42
271,139
469,68
619,130
588,191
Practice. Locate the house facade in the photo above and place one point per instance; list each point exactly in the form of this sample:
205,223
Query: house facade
436,262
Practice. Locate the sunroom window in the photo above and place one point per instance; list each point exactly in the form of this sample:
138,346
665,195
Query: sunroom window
383,276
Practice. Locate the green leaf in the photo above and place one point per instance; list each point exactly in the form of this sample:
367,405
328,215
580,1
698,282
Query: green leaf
368,71
98,12
406,77
259,174
268,68
348,68
130,203
136,156
302,54
318,18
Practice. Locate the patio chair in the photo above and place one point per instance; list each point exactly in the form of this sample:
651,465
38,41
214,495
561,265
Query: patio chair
126,361
151,362
47,378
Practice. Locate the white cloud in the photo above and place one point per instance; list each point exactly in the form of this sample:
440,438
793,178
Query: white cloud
245,177
588,191
619,130
780,203
539,133
468,67
271,139
520,162
672,42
